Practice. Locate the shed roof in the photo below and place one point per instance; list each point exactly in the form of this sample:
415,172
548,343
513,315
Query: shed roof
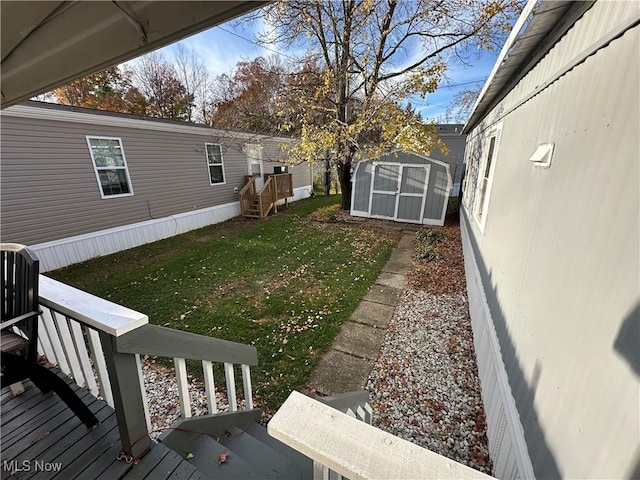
540,26
396,155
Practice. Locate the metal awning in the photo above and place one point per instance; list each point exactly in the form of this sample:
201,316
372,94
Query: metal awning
46,44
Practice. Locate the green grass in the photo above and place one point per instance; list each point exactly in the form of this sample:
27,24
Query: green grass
285,285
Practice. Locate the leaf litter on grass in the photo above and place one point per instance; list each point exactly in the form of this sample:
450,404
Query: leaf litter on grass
285,285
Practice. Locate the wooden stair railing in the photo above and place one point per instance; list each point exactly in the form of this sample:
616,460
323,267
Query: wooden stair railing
258,204
342,446
267,198
99,344
247,197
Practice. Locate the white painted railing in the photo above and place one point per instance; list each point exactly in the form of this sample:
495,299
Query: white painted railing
90,339
354,405
354,449
68,333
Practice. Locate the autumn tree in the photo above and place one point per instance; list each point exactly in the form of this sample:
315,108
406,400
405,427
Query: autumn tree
461,106
110,90
250,97
166,96
374,55
192,73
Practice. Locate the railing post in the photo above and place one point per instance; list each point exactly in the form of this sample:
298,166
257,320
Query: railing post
128,400
274,195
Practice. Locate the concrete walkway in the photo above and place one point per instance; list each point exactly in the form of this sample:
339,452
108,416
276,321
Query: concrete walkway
346,366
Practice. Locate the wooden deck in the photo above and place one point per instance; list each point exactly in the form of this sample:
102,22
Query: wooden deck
43,439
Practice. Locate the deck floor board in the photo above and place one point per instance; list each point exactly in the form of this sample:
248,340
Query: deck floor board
44,412
42,439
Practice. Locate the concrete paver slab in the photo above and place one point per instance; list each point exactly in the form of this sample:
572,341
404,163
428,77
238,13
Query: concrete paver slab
398,265
394,280
407,239
374,314
360,340
383,294
347,365
339,372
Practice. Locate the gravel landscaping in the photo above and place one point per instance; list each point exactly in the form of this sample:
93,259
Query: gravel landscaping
424,385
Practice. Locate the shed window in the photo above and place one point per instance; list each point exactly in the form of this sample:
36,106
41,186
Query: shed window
215,163
485,177
110,166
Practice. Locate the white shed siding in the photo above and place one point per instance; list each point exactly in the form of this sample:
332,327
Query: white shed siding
431,211
559,255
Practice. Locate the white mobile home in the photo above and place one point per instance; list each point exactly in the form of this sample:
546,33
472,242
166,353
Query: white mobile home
550,224
80,183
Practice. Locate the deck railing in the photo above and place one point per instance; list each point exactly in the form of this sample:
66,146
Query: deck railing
284,184
99,344
353,449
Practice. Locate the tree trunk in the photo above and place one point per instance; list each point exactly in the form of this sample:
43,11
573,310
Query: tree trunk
344,176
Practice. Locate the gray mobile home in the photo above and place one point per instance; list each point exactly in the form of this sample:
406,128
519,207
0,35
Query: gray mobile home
551,240
79,183
452,136
401,186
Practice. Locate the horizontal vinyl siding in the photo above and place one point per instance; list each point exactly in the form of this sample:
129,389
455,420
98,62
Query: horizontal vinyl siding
455,156
273,155
559,255
49,189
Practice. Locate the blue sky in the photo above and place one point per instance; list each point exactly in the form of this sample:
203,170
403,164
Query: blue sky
222,47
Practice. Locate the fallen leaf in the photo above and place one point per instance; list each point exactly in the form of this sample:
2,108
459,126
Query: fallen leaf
222,458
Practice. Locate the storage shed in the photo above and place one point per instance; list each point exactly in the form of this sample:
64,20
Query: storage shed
401,186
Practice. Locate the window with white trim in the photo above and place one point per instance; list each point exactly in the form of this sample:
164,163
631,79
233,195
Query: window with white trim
110,166
485,177
215,163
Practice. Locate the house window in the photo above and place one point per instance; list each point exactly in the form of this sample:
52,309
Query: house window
485,177
110,166
214,161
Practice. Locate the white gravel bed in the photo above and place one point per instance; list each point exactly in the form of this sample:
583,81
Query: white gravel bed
424,386
162,396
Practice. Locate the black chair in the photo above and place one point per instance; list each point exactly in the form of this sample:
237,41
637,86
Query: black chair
20,305
19,312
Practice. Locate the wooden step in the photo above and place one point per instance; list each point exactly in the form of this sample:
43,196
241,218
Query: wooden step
204,454
302,463
250,452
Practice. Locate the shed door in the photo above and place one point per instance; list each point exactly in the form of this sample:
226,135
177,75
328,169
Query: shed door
398,192
385,186
412,194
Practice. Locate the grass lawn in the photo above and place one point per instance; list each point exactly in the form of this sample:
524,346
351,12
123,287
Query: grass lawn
285,285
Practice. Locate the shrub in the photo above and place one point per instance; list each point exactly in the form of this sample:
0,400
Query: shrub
426,241
426,252
326,214
431,236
